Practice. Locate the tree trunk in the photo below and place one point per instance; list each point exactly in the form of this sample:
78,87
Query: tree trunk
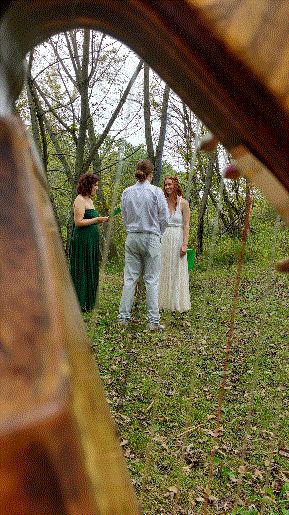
83,81
162,136
156,157
204,203
193,153
147,114
38,129
36,115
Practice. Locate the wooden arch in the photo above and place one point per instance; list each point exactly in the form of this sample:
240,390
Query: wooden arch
225,61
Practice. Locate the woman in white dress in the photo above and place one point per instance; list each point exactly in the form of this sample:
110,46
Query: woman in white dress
174,292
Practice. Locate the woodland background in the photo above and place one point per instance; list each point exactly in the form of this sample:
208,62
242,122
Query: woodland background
92,105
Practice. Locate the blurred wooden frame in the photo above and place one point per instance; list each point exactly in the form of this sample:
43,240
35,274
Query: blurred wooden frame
54,421
225,79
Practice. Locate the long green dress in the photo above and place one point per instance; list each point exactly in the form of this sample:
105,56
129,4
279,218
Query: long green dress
84,261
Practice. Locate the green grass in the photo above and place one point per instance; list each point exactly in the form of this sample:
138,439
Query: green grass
163,393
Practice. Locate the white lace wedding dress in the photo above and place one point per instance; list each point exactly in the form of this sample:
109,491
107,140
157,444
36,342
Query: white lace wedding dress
174,292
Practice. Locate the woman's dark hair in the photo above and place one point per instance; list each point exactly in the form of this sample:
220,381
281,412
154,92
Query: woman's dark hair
143,169
86,182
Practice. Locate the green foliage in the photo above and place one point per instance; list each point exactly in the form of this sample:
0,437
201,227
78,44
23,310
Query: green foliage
268,240
225,252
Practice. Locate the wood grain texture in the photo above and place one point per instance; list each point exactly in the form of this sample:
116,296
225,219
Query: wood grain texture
258,34
54,415
227,60
30,361
224,87
185,45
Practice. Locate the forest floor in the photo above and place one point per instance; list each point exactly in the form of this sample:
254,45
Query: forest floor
163,390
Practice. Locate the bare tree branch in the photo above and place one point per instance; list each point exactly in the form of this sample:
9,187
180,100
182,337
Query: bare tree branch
112,119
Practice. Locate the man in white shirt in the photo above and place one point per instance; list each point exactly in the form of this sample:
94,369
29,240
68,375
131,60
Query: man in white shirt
145,215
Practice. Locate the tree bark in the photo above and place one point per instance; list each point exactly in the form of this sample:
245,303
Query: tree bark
36,115
84,109
204,203
162,136
147,114
156,157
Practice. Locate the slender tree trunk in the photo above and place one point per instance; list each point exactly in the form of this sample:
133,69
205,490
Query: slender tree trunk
162,136
194,156
84,109
38,129
96,161
204,203
37,116
147,115
156,157
188,136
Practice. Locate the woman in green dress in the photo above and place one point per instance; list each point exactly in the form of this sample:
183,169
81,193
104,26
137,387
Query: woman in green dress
84,245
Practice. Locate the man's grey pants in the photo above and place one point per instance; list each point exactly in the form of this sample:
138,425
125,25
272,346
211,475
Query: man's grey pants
142,254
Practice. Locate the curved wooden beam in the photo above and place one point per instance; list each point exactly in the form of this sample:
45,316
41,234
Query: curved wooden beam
48,382
187,47
59,449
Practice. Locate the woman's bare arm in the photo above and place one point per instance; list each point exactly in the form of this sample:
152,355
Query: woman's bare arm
79,210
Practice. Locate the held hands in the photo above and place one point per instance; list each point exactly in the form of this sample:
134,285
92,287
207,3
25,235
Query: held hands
183,250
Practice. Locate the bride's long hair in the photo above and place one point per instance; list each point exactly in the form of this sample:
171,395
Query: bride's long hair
177,191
